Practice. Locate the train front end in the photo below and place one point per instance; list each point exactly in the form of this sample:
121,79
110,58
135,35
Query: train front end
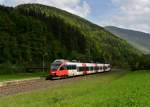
58,70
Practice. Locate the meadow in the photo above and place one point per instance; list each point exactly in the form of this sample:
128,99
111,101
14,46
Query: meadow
113,89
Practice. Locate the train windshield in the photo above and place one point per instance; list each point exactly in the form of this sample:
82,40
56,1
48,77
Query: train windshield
55,66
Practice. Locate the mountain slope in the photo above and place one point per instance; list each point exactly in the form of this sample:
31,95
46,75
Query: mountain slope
33,33
138,39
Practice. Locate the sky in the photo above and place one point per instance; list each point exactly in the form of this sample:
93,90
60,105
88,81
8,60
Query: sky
129,14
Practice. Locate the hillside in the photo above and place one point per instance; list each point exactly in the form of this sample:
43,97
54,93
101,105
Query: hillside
138,39
33,33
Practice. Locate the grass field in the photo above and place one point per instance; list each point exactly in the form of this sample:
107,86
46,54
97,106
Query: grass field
114,89
8,77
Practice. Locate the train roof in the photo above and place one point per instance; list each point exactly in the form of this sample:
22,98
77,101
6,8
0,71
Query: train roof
73,62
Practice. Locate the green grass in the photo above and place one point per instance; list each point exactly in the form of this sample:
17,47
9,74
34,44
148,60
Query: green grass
7,77
114,89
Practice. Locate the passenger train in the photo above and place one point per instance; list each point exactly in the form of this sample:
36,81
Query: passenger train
63,68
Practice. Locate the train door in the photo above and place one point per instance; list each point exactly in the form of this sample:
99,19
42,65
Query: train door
84,69
95,68
80,69
72,69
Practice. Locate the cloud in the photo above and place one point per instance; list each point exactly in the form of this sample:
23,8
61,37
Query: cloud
133,14
78,7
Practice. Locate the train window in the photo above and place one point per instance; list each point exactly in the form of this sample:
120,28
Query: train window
87,68
81,69
70,67
101,68
105,67
96,68
55,66
62,68
74,67
91,68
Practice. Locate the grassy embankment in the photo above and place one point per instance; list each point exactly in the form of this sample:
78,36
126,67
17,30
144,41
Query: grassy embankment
18,76
130,89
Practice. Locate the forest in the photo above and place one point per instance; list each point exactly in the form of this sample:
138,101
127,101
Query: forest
33,33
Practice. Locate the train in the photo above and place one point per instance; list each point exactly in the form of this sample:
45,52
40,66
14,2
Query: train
62,68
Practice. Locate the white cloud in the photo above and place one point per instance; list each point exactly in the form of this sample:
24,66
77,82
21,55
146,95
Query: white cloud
133,14
78,7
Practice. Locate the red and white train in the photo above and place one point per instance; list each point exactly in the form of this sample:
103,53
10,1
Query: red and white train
63,68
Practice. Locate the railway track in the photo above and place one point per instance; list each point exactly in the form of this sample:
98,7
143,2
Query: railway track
19,86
